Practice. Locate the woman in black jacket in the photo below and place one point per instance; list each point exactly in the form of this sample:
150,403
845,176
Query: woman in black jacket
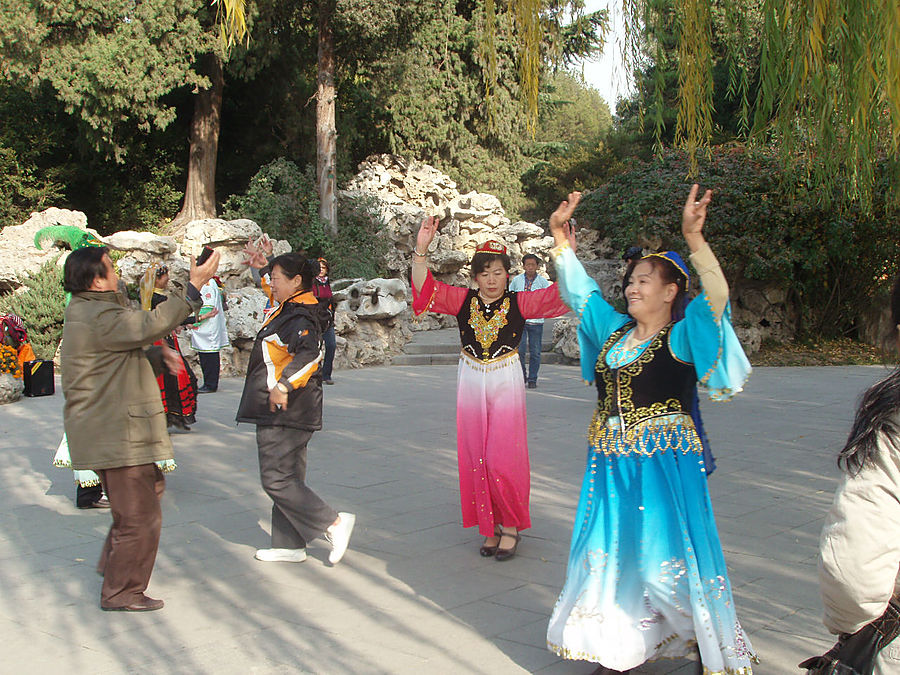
283,398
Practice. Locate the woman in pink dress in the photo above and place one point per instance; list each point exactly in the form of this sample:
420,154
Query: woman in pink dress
492,446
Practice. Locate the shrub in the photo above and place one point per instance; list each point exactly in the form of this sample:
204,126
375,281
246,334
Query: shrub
361,246
284,201
41,306
765,225
23,189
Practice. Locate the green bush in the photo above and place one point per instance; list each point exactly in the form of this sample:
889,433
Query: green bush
41,306
23,189
284,201
765,225
359,250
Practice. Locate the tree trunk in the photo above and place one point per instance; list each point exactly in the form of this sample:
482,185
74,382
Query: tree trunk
326,135
200,193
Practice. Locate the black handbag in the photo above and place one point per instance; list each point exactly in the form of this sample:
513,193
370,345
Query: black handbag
855,654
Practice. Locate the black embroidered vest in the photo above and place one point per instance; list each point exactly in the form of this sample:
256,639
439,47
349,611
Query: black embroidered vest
655,383
490,331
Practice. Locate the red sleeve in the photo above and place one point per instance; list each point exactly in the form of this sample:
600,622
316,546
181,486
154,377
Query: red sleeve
438,297
541,304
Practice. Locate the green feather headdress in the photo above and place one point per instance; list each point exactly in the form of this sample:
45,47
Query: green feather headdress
67,236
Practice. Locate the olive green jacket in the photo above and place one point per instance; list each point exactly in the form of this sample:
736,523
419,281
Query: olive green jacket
113,412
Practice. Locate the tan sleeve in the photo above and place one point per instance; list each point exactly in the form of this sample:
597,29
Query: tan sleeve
711,278
859,551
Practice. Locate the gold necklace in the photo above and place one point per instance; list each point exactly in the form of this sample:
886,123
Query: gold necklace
486,330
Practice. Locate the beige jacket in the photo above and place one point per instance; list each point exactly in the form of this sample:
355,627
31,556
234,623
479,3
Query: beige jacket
113,412
859,551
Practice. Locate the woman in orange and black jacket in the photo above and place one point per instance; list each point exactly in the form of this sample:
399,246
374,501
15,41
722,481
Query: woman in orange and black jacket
283,398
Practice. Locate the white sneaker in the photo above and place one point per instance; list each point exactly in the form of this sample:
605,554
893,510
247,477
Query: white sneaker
339,536
281,554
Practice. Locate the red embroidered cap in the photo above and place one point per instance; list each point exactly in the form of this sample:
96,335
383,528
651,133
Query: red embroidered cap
491,246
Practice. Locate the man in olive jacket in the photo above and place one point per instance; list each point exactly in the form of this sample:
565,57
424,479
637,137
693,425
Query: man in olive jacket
114,417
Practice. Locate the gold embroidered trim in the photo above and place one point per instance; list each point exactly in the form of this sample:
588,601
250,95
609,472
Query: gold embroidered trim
557,251
485,365
431,300
486,330
675,432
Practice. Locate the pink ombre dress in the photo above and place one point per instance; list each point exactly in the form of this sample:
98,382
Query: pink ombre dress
491,432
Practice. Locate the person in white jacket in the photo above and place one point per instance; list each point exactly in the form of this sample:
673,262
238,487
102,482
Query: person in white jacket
210,334
859,551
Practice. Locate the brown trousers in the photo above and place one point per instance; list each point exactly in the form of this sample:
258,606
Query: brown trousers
134,493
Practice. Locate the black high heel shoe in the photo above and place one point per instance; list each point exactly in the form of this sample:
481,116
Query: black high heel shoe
507,553
488,551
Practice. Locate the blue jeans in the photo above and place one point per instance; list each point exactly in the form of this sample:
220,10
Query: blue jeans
532,335
330,346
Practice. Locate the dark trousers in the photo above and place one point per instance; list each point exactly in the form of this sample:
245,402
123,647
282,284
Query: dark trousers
298,514
128,555
532,335
85,496
330,346
209,365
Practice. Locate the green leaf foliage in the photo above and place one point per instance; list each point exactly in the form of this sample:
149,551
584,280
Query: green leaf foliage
766,227
42,306
110,62
283,201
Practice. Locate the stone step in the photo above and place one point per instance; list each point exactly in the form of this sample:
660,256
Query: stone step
414,347
426,359
447,359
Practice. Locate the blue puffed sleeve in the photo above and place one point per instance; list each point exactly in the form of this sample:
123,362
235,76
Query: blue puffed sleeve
582,294
712,346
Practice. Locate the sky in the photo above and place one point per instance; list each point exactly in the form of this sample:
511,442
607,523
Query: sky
607,73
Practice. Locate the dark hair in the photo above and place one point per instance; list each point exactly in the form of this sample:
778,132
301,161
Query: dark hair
531,256
294,264
82,267
877,408
632,253
670,274
482,259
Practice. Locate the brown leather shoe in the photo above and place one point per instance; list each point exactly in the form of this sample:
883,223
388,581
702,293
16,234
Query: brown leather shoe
144,604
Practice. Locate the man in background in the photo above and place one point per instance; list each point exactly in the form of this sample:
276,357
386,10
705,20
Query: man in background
530,280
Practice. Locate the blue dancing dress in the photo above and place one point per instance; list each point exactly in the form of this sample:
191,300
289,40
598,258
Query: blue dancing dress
646,577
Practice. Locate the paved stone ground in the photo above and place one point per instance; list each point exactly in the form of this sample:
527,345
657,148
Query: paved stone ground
412,594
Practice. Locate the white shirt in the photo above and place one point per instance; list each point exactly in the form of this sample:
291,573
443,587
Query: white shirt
518,283
211,335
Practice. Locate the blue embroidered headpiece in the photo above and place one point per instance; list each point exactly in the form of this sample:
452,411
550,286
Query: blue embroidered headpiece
676,260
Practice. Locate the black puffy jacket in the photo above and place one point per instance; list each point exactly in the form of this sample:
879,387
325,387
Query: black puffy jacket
288,349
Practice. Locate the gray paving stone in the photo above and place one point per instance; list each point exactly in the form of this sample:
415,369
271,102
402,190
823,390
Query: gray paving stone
412,594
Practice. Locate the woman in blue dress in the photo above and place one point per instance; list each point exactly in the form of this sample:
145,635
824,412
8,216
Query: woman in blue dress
646,577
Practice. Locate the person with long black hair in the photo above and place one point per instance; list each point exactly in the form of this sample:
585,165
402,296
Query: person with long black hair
859,551
283,398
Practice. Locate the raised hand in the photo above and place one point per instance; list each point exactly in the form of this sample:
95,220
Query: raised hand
559,219
266,245
694,217
427,230
200,274
255,256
